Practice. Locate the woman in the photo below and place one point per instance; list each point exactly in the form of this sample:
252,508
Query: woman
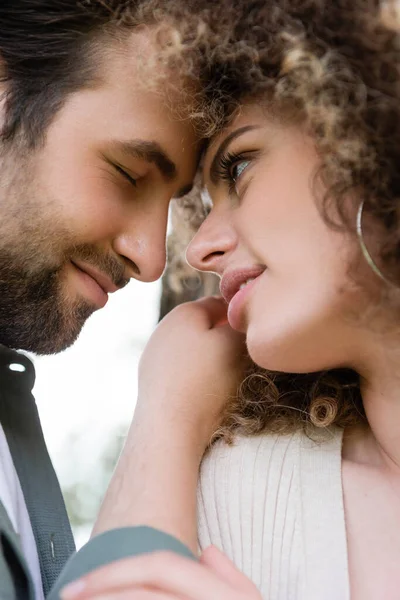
304,233
302,179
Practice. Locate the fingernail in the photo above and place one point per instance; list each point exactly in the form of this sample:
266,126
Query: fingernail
73,590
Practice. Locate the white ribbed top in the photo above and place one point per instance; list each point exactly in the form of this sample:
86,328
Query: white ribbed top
274,505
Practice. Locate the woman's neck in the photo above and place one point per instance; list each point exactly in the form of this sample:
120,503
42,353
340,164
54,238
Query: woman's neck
379,443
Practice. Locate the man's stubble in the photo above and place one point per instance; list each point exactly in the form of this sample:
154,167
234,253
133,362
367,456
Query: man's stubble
36,313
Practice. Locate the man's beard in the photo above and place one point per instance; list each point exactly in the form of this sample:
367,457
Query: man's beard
38,313
34,314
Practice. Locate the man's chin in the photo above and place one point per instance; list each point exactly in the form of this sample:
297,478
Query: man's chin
49,335
54,346
42,347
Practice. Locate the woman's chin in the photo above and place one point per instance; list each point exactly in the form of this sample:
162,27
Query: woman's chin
285,354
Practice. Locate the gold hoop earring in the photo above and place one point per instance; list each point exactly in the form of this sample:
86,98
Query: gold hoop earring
364,248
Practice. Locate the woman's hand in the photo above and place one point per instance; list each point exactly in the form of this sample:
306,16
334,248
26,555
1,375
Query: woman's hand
190,368
166,576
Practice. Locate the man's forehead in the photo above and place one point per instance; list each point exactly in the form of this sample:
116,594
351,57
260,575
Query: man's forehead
138,55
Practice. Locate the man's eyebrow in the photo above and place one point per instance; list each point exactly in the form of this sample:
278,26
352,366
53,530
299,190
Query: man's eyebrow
151,152
214,168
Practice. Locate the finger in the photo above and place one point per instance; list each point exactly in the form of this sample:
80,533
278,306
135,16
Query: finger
215,308
231,336
136,594
224,568
165,571
128,594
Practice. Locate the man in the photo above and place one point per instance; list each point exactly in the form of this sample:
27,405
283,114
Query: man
90,156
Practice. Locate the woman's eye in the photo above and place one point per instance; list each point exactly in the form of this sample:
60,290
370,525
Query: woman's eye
232,166
238,168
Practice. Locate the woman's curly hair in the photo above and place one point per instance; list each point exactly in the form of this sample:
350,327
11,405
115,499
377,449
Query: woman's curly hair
333,66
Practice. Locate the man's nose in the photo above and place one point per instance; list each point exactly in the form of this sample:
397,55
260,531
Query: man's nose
211,245
142,245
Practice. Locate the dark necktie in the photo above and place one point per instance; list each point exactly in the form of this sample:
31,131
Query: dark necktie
20,421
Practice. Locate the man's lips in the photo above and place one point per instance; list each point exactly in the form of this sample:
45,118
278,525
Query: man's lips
105,282
232,280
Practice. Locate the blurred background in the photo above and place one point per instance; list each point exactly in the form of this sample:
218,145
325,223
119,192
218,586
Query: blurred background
86,397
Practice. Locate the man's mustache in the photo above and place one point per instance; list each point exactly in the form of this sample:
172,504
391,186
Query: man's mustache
108,264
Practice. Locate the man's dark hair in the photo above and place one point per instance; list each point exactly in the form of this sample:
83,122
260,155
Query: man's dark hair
47,50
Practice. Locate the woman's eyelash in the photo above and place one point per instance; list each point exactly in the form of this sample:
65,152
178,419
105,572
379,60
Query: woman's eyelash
124,173
225,166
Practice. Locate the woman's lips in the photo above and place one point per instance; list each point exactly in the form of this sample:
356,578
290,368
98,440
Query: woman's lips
236,296
236,314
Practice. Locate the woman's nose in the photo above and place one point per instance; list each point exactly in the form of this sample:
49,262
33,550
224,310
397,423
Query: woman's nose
211,245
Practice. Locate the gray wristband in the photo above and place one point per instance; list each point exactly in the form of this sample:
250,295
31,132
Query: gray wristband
114,545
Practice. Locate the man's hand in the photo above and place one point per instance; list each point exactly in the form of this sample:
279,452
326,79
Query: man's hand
165,576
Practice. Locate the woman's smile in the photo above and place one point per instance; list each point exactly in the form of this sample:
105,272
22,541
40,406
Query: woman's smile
236,285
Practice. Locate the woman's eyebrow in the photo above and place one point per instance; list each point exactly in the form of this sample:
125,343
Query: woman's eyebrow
214,168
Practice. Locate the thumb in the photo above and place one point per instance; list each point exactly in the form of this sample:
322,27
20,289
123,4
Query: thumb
216,308
220,564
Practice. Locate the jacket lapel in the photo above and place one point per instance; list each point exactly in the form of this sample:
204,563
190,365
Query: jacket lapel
15,580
